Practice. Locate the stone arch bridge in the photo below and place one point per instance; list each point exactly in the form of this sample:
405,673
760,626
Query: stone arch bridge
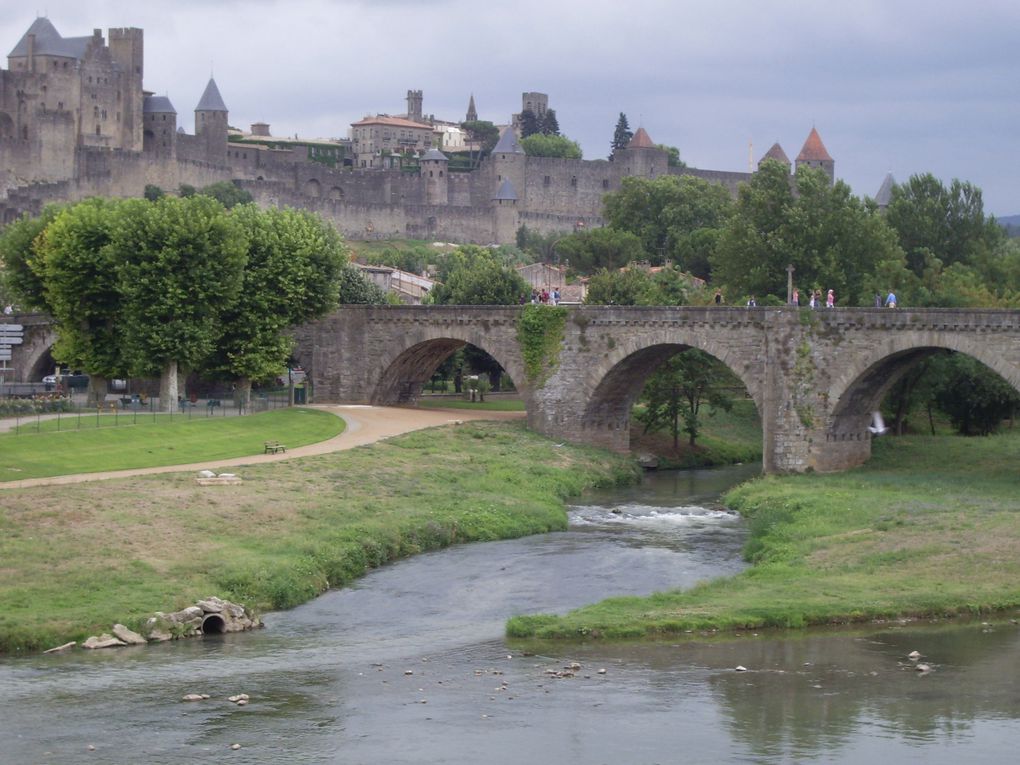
814,376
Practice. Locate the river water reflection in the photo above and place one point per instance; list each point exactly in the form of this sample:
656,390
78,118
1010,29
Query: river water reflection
409,666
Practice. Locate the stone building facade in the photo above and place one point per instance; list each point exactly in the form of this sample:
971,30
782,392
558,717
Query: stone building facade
75,122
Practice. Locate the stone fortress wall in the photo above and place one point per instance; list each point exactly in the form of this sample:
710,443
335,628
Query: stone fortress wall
75,122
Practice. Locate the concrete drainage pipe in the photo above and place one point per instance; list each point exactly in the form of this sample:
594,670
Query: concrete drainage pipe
213,624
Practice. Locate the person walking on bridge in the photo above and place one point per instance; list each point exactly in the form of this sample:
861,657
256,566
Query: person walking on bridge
890,301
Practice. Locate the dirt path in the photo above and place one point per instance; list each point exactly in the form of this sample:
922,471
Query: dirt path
365,425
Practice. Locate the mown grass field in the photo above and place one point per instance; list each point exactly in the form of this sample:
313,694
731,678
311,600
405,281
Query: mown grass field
120,443
726,438
74,559
930,527
492,404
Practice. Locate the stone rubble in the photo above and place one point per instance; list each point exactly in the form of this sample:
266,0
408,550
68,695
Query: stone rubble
188,622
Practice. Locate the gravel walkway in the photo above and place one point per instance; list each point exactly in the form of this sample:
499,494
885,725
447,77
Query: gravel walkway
365,425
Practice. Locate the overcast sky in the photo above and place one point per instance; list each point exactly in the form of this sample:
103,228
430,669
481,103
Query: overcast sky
891,85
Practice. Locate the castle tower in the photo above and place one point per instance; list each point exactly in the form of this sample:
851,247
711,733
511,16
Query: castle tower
434,166
211,124
160,123
642,157
472,113
508,161
505,218
813,154
414,103
776,153
126,50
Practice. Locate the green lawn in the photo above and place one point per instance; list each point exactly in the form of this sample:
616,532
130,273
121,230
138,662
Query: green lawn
154,441
498,404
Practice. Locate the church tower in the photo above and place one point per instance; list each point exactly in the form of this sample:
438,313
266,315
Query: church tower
211,124
472,113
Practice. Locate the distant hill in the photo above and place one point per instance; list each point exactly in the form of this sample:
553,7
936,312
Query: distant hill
1011,223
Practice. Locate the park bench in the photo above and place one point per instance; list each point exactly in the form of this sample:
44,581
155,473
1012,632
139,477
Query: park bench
274,447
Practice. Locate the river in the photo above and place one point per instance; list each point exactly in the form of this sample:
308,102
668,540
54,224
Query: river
410,666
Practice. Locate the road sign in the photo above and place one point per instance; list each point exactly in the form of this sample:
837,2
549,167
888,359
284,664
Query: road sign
5,353
18,328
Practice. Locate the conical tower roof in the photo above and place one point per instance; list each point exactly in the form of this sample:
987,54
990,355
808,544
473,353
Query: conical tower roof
48,42
813,149
211,100
506,191
641,140
508,143
434,154
885,191
776,153
472,113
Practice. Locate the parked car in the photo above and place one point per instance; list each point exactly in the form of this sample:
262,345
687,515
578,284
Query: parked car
68,381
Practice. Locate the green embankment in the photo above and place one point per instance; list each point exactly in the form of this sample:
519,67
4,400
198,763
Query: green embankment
92,444
930,527
725,438
75,559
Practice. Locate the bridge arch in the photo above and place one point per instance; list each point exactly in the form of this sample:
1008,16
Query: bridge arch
859,389
403,371
613,386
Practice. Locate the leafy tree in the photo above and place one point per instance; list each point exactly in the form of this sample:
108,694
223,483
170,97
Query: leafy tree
675,392
21,281
550,125
472,275
637,286
609,248
291,276
227,193
153,192
539,145
976,399
673,155
355,289
186,190
79,267
621,136
947,223
483,133
831,238
679,218
530,124
182,267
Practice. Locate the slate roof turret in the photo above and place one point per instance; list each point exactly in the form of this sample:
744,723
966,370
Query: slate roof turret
885,191
211,100
48,42
508,144
158,105
506,191
435,154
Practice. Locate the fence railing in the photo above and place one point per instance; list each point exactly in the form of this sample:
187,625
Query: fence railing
27,415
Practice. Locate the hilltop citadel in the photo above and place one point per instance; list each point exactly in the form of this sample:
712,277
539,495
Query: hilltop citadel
76,121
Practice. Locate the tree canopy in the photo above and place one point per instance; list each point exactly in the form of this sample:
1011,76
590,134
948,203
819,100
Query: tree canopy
541,145
621,136
473,275
831,238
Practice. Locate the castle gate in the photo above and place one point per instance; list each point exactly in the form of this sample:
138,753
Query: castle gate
815,376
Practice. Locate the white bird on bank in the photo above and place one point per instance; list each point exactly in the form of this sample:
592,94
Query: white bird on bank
877,426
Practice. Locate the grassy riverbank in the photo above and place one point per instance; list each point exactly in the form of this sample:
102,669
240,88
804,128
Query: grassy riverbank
110,442
930,527
76,558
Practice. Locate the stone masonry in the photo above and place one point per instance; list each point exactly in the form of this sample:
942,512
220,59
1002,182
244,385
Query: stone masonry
815,376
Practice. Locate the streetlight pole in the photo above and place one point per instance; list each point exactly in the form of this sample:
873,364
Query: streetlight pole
789,283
